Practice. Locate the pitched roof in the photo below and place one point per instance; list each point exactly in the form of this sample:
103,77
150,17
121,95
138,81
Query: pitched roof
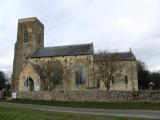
124,56
67,50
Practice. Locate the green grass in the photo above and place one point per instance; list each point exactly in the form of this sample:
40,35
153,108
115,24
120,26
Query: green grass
12,113
103,105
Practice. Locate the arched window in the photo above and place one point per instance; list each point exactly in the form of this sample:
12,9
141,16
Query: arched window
26,36
29,84
80,75
126,79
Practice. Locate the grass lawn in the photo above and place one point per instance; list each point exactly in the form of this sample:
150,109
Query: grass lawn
103,105
11,113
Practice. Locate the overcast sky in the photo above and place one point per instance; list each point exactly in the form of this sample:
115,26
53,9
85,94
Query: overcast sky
115,25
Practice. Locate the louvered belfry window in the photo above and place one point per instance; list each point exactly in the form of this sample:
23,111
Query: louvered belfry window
26,36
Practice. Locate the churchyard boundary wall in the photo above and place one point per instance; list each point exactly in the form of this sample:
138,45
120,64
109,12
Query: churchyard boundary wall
94,95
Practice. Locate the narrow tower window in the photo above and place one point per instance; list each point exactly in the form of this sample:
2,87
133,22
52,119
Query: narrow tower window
126,79
112,80
39,37
98,83
26,36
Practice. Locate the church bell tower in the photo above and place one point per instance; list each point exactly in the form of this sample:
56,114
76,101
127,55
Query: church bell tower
30,37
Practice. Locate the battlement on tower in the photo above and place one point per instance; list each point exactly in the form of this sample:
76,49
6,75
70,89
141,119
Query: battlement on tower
31,19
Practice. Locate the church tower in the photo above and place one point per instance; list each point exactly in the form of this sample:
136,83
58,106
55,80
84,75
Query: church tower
30,37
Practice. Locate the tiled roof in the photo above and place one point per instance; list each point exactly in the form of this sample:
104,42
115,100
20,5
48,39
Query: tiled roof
67,50
125,56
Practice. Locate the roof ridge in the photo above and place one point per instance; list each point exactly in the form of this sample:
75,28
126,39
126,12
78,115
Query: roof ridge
68,45
66,50
115,52
123,56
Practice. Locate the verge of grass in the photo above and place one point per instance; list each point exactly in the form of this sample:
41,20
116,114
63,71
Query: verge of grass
86,104
13,113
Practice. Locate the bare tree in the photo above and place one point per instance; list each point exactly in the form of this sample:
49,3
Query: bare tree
143,75
107,68
3,79
51,74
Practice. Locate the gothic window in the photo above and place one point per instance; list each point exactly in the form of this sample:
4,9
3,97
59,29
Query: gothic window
80,75
26,36
28,83
98,83
126,79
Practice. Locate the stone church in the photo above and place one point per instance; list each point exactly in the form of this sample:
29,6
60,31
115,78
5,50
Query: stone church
81,59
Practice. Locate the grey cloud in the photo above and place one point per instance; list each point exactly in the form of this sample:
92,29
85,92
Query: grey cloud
109,24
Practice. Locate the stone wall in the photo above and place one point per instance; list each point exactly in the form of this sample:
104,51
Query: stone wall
70,64
128,69
94,95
